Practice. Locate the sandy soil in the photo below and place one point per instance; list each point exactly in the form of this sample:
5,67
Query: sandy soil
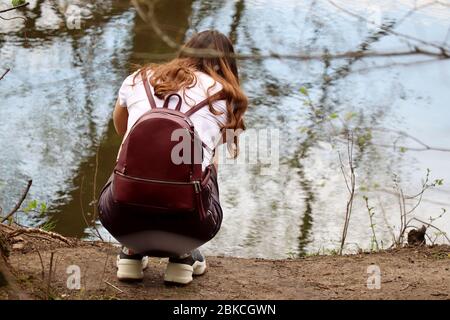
407,273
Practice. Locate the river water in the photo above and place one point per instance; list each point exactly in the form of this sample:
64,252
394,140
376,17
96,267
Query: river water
56,106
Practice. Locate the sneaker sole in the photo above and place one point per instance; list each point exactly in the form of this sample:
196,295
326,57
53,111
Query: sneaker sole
128,274
128,270
181,274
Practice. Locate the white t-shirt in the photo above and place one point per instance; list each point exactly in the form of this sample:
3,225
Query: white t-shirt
205,122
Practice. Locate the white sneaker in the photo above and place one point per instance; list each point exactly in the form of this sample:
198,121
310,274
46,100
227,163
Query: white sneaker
181,270
131,267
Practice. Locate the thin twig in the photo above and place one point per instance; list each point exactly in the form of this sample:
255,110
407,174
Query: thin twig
15,8
81,203
42,264
383,211
302,56
351,189
50,274
425,146
4,74
113,286
94,195
391,65
17,207
398,34
403,224
343,172
372,224
105,265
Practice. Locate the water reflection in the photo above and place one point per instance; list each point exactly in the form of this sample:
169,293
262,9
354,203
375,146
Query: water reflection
57,103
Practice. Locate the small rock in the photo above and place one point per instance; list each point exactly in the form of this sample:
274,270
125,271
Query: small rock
417,236
18,246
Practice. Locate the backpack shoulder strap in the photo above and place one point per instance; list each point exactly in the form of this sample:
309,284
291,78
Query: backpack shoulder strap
150,97
197,107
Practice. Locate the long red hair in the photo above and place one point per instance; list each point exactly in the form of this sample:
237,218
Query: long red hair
179,74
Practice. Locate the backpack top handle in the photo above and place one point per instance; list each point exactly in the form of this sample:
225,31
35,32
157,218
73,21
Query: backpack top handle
217,96
180,100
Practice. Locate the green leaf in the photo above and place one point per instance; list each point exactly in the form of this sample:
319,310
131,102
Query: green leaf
361,141
43,208
334,116
32,205
304,91
402,149
16,3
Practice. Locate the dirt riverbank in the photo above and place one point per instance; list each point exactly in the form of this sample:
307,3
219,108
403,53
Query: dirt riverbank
407,273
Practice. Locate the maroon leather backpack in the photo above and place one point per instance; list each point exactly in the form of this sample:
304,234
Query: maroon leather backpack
146,175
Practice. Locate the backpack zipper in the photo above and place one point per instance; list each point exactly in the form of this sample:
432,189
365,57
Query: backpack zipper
196,184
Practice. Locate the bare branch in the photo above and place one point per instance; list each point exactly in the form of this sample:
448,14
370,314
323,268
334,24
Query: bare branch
113,286
13,18
351,189
94,196
424,146
372,224
15,8
83,214
383,211
42,264
398,34
343,172
150,18
395,64
17,207
49,280
4,74
210,53
81,203
31,231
